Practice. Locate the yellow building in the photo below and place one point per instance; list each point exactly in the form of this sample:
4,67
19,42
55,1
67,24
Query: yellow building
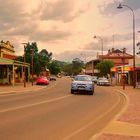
11,71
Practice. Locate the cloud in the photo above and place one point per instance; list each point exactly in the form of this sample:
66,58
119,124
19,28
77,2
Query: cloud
111,8
63,10
50,35
70,55
117,41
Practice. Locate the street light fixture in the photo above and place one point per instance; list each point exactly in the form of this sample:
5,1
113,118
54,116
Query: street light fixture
134,76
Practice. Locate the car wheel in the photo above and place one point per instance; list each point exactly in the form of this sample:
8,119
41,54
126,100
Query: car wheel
91,92
72,92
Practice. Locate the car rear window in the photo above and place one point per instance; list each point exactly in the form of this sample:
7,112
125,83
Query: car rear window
82,78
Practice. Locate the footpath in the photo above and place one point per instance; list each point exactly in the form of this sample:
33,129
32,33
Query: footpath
8,89
127,125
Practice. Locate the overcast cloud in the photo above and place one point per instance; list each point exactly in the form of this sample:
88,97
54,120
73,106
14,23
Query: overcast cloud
66,27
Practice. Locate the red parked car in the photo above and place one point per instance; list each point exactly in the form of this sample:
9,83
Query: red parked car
42,80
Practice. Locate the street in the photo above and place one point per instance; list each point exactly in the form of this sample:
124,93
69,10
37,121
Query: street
53,113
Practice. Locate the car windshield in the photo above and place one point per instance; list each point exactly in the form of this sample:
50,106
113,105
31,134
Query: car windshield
94,77
103,79
82,78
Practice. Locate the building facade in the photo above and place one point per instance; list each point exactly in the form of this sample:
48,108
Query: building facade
11,71
118,57
91,67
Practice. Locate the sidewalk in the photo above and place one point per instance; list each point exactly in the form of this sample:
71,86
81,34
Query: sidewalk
9,89
127,126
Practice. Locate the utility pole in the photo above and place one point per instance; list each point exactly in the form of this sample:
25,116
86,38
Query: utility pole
24,64
32,66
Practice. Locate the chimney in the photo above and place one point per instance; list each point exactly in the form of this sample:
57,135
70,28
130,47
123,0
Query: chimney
124,49
113,49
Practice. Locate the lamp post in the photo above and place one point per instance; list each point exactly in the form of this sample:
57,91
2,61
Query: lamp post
0,50
134,76
123,75
101,43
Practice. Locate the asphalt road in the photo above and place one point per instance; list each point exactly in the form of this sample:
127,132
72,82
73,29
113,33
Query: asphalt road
54,114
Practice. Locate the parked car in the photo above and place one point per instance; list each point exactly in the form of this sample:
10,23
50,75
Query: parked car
42,80
53,78
103,81
82,83
94,79
59,75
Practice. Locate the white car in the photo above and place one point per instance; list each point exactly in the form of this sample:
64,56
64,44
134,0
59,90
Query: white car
103,82
94,79
82,83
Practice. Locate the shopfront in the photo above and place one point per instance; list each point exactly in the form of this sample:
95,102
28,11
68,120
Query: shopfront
127,72
12,71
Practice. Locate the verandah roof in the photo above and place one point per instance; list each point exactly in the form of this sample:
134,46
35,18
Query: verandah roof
5,61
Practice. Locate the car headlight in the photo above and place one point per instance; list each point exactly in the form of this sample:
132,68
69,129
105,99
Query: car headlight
90,85
73,84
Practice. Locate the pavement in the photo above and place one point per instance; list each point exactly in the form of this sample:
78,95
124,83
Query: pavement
125,127
8,89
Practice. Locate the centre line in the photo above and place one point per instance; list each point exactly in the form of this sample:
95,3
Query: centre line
35,104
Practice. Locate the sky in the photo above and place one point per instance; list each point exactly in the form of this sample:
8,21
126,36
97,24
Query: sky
67,27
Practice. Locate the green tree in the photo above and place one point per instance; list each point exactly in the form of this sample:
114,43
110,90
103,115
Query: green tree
29,47
138,44
104,67
40,59
54,67
68,69
45,58
77,66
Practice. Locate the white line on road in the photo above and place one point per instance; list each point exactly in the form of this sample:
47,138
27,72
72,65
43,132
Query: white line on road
35,104
92,122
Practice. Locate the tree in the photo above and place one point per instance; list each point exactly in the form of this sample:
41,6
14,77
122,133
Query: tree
138,44
104,67
44,58
54,67
68,69
40,59
77,66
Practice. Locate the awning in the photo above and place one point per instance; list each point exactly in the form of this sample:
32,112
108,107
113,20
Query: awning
4,61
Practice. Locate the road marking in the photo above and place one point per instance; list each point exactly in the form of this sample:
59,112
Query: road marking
123,128
94,137
35,104
91,123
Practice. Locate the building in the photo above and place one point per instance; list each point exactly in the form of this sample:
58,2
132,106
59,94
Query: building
11,71
127,71
118,57
91,67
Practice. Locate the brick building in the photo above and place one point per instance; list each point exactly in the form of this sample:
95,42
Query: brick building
118,57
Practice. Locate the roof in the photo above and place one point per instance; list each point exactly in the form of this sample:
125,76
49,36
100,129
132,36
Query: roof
9,56
116,54
5,61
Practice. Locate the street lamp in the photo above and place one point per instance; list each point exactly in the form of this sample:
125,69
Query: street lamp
101,43
123,74
134,76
